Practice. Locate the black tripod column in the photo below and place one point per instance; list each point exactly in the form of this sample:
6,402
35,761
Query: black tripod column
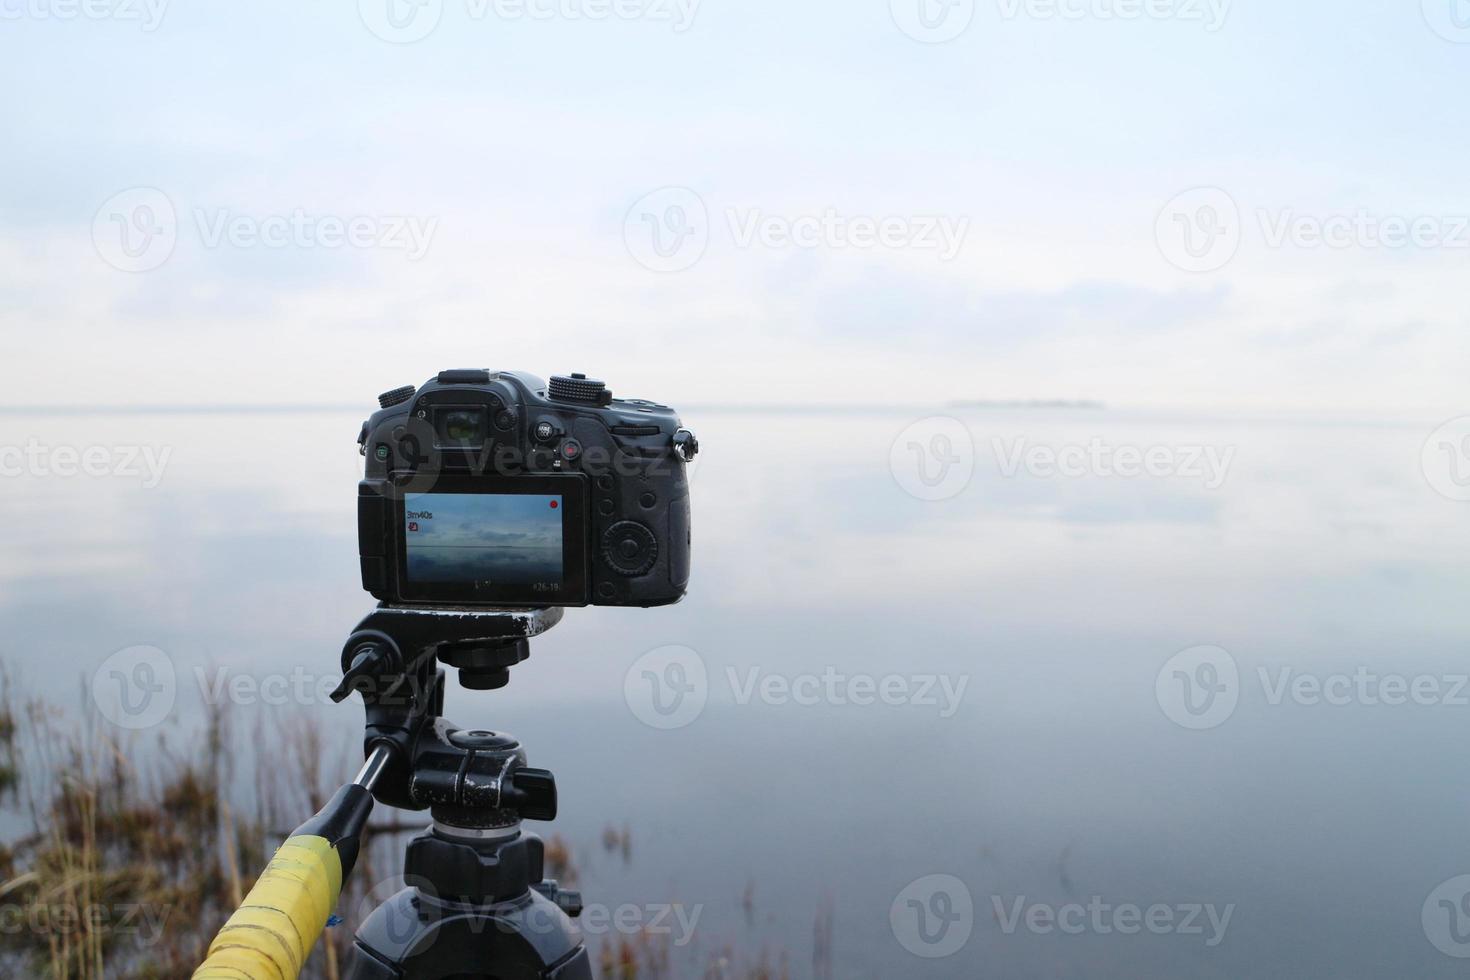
477,905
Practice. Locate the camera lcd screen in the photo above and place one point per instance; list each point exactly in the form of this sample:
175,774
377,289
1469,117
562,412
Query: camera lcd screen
519,546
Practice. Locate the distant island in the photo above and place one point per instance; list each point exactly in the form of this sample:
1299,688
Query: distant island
1057,403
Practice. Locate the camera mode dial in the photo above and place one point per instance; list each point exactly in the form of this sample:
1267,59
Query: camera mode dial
397,396
579,388
629,548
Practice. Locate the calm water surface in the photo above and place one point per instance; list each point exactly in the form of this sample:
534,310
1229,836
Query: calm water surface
1052,603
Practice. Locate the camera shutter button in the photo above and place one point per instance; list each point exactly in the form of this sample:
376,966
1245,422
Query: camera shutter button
629,548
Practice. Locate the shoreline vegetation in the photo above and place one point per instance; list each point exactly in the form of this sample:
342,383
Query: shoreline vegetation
128,853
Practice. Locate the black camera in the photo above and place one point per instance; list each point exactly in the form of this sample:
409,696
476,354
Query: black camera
498,489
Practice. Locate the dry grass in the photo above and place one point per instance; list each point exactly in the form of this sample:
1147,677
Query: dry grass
136,852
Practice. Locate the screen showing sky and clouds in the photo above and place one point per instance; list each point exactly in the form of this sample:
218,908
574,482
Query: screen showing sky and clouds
511,539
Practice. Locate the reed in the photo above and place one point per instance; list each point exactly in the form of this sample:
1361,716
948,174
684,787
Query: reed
130,853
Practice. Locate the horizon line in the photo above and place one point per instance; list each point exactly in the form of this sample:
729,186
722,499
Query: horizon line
226,408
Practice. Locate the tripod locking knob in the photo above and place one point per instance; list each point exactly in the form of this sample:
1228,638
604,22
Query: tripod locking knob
366,670
532,794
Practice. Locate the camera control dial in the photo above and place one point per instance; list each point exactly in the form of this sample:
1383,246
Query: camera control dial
579,388
397,396
629,548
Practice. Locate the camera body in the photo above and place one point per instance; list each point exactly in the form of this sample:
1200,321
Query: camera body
498,489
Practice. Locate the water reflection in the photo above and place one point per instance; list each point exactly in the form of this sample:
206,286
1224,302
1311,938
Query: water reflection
1055,599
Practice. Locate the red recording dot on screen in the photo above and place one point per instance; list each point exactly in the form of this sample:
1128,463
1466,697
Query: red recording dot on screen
553,505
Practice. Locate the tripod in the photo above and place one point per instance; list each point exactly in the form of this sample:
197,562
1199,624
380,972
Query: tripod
476,905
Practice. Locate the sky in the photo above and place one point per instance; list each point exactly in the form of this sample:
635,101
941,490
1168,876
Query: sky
1237,204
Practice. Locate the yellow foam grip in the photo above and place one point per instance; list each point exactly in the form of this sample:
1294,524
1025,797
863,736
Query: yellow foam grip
270,935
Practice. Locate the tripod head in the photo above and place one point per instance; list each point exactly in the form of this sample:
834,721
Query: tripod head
474,780
479,892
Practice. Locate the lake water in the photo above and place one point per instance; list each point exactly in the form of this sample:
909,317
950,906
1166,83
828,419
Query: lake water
983,688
